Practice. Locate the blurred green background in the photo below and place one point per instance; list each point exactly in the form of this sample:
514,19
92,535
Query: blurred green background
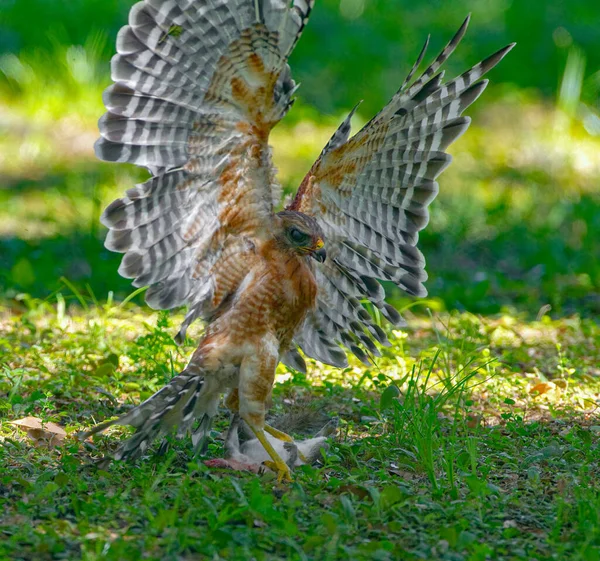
517,221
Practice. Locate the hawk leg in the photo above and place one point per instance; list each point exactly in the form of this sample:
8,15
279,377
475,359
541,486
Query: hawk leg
257,374
278,434
233,402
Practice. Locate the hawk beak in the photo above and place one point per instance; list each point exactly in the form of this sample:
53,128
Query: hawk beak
320,254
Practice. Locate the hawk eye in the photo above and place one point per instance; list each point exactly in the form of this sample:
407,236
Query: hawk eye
297,236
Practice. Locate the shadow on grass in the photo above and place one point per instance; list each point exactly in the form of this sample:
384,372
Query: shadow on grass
518,260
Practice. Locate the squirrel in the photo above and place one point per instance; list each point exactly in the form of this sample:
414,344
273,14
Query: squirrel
248,454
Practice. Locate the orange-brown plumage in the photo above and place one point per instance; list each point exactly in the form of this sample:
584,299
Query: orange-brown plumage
276,292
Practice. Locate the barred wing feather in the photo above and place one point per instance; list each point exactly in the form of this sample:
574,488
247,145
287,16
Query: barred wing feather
198,87
370,194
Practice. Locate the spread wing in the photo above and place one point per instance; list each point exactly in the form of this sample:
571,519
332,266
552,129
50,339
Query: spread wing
370,195
198,87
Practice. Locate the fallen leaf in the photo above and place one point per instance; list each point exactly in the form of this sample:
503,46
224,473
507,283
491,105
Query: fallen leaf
562,485
356,490
42,433
407,475
542,388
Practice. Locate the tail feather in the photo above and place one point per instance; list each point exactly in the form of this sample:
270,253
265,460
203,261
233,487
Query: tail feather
173,405
200,435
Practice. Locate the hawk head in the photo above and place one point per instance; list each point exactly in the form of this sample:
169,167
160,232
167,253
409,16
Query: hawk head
302,234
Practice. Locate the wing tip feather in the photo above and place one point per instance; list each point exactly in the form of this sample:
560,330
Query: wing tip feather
494,59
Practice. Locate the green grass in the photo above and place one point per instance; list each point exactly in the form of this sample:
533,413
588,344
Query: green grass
446,449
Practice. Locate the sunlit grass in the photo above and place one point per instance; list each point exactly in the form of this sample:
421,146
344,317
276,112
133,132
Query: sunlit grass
512,150
49,86
466,421
509,357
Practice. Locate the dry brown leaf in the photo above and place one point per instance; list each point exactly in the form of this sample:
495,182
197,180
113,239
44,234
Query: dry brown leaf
404,474
542,388
43,434
356,490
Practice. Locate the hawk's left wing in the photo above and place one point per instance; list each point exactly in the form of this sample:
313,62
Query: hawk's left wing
370,195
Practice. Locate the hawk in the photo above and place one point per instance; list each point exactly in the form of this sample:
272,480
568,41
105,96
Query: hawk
198,86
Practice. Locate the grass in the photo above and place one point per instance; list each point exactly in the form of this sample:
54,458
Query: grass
471,438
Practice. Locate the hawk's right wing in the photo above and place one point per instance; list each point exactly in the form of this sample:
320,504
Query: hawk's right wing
198,87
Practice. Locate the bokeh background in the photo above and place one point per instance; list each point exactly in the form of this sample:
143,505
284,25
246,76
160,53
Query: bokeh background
515,228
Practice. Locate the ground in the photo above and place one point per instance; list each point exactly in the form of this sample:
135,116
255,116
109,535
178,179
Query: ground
497,460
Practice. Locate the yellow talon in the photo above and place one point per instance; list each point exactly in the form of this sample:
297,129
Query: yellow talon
282,470
277,465
278,434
